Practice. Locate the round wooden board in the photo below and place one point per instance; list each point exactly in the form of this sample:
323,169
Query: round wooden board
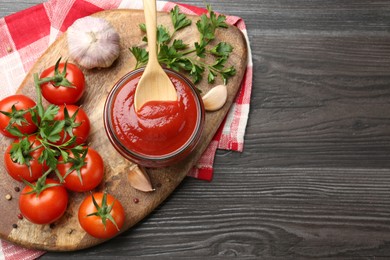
66,234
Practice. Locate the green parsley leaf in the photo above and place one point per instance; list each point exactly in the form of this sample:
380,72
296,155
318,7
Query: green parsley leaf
168,54
163,35
141,55
227,73
196,72
49,156
21,152
184,64
179,20
219,63
211,76
207,32
218,21
179,45
142,26
50,131
200,50
50,112
78,150
65,155
222,49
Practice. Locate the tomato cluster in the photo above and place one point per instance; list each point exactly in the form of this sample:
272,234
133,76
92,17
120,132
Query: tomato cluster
50,155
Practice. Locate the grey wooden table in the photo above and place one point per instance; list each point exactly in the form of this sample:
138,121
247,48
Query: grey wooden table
314,178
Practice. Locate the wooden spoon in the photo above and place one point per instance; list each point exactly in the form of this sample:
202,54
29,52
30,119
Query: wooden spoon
154,83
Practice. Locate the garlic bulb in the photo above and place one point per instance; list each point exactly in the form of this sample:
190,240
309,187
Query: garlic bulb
215,98
93,42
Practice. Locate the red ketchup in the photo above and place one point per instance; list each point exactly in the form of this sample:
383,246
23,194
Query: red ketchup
162,132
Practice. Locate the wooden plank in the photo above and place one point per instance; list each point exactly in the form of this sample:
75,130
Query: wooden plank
66,234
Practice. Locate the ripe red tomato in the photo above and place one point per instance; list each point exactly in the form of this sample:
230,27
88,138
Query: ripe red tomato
20,102
60,95
93,224
47,206
22,171
81,131
91,172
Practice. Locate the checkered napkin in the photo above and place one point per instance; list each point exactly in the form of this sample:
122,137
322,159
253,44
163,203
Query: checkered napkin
27,34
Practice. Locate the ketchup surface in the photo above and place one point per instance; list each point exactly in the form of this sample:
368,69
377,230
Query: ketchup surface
160,127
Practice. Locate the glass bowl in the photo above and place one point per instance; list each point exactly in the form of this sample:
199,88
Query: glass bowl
148,143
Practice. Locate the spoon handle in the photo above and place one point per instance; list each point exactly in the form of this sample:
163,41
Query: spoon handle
151,28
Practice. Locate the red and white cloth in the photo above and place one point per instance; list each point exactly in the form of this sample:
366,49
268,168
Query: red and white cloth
27,34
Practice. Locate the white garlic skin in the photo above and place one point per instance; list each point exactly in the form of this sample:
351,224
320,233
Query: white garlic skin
139,179
215,98
93,42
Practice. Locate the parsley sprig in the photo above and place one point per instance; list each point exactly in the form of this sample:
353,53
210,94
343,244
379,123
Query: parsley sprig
177,55
49,130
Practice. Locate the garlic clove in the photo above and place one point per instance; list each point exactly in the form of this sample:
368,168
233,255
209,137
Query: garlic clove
215,98
93,42
139,179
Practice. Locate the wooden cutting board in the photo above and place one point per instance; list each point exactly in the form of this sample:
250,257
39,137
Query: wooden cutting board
66,234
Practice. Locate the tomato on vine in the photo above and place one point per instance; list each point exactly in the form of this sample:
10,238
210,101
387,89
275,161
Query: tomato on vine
63,83
21,159
77,124
15,116
43,202
83,170
101,215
